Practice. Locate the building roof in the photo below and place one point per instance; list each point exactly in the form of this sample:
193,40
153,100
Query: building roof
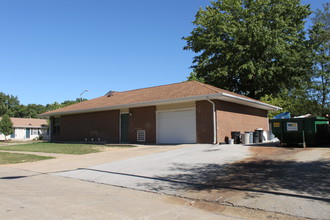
28,122
166,94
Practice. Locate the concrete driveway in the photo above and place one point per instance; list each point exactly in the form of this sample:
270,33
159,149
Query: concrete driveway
34,191
280,180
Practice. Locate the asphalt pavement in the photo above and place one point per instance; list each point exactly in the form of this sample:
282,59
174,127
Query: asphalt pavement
39,190
233,175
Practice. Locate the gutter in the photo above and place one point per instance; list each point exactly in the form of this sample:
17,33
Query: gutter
274,108
214,121
29,127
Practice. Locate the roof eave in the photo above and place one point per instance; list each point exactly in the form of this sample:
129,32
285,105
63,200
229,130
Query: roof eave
249,102
23,126
132,105
219,96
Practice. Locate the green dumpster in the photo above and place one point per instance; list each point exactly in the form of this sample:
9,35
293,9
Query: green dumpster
301,131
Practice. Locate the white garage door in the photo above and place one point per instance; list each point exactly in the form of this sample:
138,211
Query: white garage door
176,127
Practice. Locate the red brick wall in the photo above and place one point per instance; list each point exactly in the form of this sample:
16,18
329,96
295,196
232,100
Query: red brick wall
103,125
235,117
204,122
143,118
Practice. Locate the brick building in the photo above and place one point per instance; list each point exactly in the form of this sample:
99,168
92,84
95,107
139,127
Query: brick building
187,112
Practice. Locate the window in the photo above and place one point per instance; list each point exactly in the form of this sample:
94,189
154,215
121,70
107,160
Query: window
13,134
34,131
56,126
141,135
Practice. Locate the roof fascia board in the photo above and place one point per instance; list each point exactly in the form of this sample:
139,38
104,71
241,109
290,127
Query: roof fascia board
22,126
253,103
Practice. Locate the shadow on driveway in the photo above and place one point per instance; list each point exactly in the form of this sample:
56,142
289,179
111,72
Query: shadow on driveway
310,180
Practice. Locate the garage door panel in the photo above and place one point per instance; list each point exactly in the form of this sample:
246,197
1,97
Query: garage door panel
176,126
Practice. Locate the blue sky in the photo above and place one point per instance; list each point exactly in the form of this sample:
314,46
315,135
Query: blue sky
52,50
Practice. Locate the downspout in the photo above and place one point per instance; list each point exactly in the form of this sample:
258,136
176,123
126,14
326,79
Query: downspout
214,121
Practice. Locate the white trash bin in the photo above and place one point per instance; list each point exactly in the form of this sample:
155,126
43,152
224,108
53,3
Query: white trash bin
231,141
245,138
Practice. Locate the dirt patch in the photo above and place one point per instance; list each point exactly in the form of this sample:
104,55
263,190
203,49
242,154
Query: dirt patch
273,153
286,154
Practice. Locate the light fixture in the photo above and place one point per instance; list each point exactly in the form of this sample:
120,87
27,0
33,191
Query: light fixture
86,90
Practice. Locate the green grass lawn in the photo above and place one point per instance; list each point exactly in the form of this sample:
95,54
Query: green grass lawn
54,148
9,158
59,148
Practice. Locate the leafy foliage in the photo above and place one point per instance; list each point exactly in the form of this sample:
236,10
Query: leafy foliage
6,126
311,96
320,38
11,106
254,48
297,102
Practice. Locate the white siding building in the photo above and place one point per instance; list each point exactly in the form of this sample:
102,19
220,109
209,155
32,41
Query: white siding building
28,129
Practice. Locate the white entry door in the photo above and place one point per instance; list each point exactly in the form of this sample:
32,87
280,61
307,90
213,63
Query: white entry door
176,127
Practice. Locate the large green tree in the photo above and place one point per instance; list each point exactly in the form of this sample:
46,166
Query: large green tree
30,111
6,126
296,101
320,38
9,104
252,47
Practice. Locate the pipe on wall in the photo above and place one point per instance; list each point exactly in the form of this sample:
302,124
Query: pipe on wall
214,121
